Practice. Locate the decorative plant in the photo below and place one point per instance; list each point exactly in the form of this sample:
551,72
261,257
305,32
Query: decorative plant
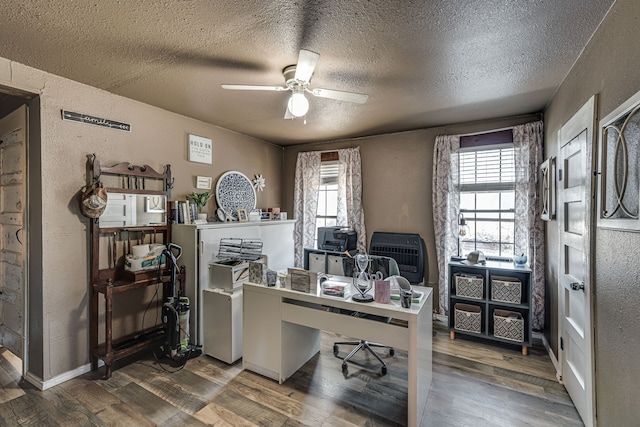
200,199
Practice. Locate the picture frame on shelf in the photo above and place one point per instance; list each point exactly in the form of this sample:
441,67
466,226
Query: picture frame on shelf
243,216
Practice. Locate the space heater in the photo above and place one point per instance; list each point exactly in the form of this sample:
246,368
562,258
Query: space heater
408,249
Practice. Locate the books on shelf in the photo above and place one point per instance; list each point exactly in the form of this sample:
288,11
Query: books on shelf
183,212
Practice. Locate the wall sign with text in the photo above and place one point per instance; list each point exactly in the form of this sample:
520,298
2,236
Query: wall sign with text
200,149
96,121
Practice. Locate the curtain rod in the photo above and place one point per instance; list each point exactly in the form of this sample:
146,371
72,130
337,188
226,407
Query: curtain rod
488,131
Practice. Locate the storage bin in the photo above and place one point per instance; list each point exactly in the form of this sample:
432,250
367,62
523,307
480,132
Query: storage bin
469,285
506,289
468,318
508,325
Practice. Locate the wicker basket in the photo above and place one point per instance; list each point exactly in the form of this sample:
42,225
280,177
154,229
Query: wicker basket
508,325
468,318
506,289
469,285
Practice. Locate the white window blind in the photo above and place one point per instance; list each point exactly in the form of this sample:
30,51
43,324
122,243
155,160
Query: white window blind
487,170
329,172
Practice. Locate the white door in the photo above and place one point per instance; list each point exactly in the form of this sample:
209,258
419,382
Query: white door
575,204
12,233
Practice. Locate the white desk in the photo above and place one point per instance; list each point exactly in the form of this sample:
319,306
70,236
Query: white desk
282,332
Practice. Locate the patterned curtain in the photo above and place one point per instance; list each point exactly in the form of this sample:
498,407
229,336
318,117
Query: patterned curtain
529,227
446,206
305,202
350,210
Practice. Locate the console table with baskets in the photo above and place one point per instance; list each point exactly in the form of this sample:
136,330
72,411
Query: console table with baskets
491,301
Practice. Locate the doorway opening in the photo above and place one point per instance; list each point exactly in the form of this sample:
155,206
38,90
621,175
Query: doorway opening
19,120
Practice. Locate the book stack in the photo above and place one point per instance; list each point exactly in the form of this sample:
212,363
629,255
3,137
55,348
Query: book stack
183,212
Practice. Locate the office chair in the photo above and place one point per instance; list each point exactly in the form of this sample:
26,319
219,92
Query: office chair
388,267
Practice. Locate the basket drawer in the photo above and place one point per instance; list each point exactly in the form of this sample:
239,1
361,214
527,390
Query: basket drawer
506,289
469,285
468,318
508,325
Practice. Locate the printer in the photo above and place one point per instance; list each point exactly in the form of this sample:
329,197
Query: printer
337,239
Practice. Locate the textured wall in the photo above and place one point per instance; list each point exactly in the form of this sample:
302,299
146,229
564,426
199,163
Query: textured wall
157,138
608,67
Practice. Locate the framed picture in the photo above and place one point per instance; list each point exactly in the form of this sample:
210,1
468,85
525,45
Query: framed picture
155,204
266,216
242,215
548,189
618,178
204,182
200,149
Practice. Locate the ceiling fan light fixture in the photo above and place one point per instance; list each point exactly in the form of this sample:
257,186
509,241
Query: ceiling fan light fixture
298,104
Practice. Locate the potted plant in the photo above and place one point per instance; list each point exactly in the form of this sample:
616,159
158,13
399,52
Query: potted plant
201,199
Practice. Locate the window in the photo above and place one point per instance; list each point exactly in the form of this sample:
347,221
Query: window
327,212
487,199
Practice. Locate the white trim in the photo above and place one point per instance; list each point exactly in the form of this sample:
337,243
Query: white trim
69,375
552,356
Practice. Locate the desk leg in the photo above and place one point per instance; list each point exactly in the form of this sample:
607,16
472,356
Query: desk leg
420,363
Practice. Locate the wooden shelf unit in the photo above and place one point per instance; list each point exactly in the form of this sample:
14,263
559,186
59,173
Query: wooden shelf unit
108,275
488,305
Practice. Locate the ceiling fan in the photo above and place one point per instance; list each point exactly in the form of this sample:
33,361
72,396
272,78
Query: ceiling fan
297,79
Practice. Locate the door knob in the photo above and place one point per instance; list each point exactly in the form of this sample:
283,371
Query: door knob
577,286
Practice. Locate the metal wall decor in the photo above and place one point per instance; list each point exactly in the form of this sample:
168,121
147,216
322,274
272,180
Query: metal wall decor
619,168
233,191
96,121
548,189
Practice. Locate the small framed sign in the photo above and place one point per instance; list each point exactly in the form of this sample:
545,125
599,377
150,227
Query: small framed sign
200,149
204,182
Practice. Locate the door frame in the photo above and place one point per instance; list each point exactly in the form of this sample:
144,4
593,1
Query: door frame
572,127
22,115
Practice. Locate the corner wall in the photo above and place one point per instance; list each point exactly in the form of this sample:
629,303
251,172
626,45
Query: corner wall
608,67
59,327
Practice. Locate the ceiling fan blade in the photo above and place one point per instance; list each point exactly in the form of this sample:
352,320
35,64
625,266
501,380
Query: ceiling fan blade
307,61
252,87
358,98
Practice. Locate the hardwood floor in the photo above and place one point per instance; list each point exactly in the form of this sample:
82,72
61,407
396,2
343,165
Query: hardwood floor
475,383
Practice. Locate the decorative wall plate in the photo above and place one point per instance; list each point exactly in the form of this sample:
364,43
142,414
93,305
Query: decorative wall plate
234,190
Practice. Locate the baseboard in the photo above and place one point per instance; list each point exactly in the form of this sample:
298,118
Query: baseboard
552,356
69,375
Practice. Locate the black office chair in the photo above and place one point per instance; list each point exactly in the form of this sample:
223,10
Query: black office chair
388,267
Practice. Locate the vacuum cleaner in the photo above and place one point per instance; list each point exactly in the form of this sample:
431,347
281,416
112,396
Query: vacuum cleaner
175,314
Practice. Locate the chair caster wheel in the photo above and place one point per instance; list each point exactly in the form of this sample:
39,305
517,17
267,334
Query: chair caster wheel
384,370
392,352
335,350
345,369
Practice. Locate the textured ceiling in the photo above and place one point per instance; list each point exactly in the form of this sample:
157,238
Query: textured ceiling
422,63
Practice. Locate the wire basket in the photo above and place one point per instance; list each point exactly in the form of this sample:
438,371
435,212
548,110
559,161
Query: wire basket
240,249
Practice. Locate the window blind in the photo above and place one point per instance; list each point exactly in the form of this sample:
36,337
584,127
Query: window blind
487,170
329,172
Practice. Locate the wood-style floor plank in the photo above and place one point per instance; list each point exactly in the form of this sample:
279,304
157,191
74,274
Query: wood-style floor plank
475,383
